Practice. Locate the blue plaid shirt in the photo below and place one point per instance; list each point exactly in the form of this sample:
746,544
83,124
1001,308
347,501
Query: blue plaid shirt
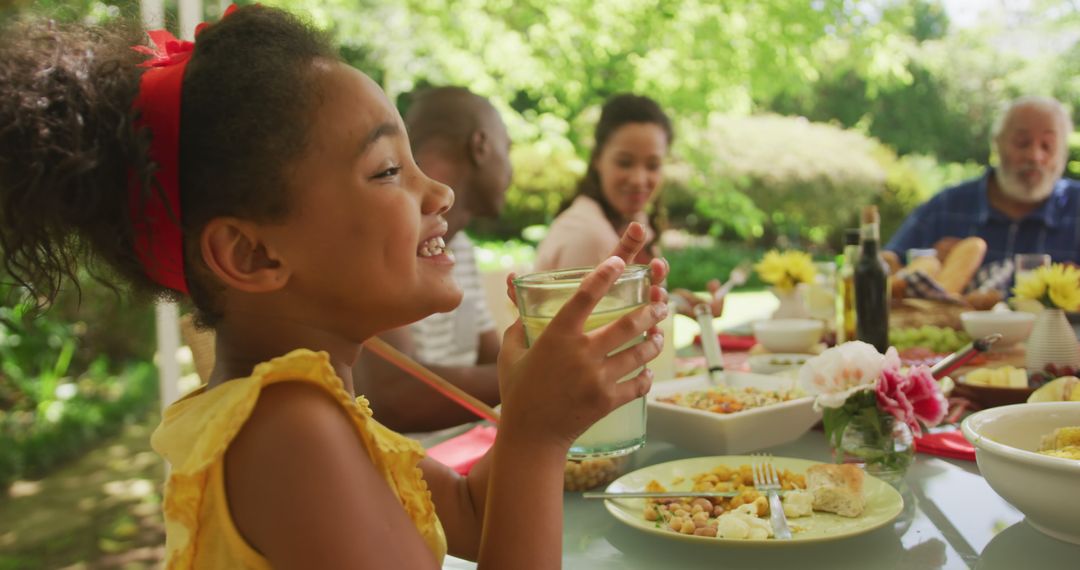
964,210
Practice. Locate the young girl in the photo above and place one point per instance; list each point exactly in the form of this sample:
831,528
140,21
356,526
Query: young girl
626,169
257,174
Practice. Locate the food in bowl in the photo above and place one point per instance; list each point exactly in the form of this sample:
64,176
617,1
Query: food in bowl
990,387
788,335
1004,377
1007,440
712,433
726,400
772,363
1013,326
1062,442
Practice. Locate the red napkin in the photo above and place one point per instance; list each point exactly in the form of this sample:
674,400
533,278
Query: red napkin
951,444
732,342
462,452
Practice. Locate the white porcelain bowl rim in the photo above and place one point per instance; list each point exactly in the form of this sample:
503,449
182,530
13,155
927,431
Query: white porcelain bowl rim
997,316
652,401
788,324
971,424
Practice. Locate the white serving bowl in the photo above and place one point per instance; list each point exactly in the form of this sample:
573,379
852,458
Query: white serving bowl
773,363
788,335
1014,326
1046,489
712,433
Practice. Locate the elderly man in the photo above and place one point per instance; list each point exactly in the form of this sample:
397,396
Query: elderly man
458,139
1022,206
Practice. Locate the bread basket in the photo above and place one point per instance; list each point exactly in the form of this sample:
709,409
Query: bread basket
914,313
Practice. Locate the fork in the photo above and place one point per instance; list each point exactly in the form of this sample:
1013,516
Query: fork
766,479
738,276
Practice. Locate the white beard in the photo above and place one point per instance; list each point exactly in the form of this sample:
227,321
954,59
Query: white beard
1016,190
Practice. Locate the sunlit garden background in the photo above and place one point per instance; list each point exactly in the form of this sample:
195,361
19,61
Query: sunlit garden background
790,116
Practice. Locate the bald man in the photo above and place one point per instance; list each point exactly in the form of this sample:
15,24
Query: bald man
1022,206
458,139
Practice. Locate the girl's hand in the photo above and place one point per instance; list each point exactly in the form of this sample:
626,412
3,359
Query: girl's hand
566,381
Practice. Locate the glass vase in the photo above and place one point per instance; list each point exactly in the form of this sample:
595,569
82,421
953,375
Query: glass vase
883,447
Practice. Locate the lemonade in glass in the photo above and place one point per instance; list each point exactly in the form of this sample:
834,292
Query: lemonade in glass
540,296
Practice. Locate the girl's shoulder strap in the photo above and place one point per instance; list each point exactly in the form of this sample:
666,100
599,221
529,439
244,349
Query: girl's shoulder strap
195,431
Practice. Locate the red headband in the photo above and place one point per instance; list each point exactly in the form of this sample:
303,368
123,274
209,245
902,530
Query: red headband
159,239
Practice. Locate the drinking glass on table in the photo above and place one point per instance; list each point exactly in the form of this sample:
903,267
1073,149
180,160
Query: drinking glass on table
821,294
1025,263
540,296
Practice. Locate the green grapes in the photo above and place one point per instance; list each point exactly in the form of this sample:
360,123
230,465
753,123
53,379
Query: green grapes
938,339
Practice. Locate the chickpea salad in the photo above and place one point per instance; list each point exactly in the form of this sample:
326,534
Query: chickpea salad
725,400
744,516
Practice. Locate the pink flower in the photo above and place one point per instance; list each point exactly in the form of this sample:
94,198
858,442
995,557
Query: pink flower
925,395
911,397
892,398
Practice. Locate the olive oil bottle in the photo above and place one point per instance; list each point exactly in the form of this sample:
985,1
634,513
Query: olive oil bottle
871,285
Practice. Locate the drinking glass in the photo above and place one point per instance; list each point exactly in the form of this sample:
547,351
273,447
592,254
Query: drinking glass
663,366
1025,263
917,252
540,296
821,294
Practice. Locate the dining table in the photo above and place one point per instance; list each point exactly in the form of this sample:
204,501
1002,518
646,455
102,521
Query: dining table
951,518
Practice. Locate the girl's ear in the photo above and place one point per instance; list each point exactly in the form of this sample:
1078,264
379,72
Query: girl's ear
235,252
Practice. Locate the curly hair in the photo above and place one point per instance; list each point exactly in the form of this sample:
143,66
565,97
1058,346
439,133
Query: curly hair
618,111
68,142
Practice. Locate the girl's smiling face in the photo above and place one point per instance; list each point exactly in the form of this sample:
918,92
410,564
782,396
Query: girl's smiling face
363,241
631,166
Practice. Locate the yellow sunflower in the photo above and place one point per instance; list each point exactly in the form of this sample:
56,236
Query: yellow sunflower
786,270
1056,286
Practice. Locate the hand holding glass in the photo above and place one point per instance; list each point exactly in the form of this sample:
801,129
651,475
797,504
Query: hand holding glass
539,298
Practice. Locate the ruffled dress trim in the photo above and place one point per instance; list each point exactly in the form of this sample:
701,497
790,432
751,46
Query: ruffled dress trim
196,431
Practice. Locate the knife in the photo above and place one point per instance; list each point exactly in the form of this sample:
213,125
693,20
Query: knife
661,495
710,344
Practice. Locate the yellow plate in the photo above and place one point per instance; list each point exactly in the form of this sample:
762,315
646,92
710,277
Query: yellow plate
883,502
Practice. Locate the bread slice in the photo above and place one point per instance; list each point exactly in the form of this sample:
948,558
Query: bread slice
837,489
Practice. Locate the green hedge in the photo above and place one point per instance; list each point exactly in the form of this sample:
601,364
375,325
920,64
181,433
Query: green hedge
692,267
65,384
81,412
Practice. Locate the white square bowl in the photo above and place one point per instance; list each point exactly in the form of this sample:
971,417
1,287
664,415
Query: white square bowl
711,433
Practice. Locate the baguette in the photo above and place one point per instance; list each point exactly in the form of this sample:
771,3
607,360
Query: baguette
961,264
837,489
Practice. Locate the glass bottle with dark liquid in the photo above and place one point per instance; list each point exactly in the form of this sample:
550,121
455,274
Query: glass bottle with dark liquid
871,285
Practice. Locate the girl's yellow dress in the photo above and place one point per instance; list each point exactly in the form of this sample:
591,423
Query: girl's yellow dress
196,431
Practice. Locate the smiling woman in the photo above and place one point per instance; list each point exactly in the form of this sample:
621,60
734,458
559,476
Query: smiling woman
624,174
